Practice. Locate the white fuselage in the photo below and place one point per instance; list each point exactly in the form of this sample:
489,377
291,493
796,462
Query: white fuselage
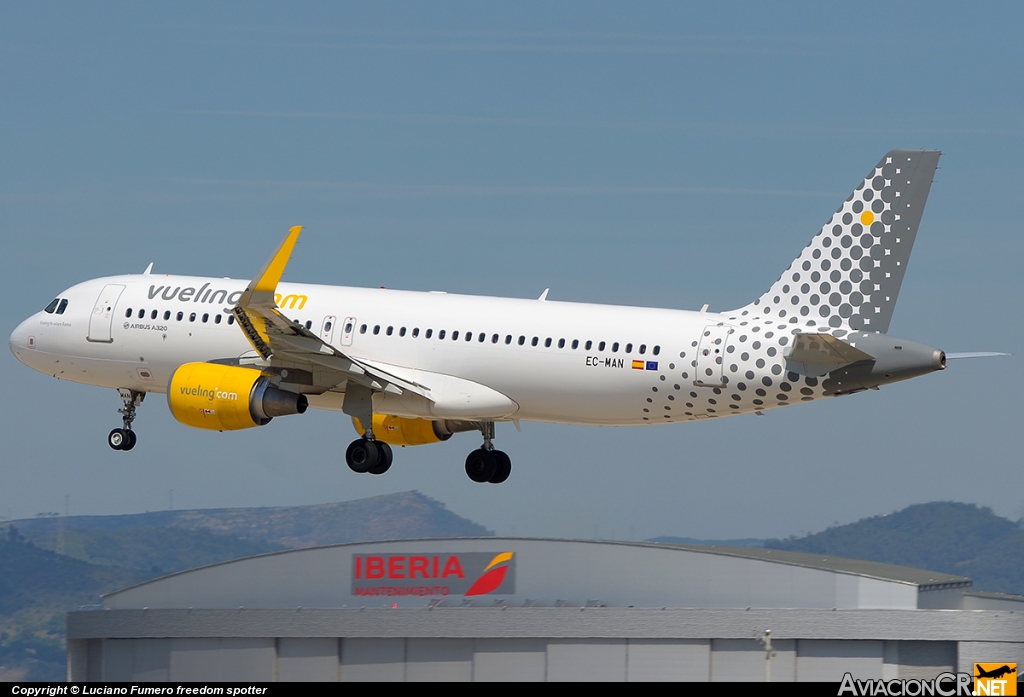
557,361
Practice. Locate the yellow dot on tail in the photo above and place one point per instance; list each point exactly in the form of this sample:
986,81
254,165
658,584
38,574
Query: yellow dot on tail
867,217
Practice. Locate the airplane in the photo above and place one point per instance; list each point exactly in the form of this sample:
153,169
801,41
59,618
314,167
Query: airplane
413,368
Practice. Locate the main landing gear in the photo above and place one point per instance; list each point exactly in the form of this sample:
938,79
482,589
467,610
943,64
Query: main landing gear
486,464
124,438
366,455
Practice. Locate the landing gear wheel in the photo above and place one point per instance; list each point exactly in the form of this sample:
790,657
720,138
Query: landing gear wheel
503,469
362,455
132,439
481,465
118,438
385,458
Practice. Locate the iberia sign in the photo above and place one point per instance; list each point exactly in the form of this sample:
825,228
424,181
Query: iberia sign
469,574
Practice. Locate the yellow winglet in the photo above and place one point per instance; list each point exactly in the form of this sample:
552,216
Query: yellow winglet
270,276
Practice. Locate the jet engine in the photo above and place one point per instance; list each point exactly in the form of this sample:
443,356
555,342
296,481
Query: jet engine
399,430
228,398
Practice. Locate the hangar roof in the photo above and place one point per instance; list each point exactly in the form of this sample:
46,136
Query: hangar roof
537,572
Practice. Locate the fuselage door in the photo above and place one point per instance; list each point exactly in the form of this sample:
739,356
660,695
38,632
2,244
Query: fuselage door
103,314
711,355
327,328
347,331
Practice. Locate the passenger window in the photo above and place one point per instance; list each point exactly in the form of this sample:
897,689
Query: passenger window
440,334
575,344
63,306
600,347
494,339
657,350
390,331
142,314
348,328
629,348
522,339
455,335
561,343
309,324
547,342
401,332
231,319
643,349
180,315
376,329
152,315
167,315
589,344
415,332
534,342
484,336
469,336
328,325
216,319
615,347
206,317
508,338
429,333
192,317
53,306
362,329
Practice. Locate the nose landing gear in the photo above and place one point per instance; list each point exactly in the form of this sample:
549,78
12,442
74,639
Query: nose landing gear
124,438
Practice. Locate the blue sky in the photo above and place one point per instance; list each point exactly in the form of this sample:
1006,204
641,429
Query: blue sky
661,154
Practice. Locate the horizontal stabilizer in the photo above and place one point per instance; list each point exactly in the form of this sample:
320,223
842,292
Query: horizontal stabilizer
974,354
819,354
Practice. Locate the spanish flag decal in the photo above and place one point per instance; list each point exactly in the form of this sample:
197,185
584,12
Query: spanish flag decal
638,365
492,576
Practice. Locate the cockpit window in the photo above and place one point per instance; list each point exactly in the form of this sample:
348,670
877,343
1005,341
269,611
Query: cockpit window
63,306
52,306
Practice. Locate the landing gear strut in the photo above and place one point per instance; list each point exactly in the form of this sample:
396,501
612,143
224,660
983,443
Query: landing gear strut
124,438
487,464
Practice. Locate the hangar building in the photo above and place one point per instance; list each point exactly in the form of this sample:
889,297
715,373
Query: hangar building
534,609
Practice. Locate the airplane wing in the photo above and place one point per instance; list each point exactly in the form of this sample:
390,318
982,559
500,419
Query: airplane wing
286,343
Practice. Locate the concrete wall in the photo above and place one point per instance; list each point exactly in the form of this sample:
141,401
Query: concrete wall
504,660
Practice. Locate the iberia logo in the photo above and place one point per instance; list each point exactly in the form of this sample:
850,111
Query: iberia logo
427,574
995,678
492,576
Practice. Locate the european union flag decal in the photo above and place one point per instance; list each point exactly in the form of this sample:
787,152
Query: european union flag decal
652,365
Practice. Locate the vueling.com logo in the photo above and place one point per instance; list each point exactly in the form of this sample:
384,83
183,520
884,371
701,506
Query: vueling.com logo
427,574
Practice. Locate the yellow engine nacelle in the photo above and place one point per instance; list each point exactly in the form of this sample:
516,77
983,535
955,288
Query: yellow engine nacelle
227,397
398,430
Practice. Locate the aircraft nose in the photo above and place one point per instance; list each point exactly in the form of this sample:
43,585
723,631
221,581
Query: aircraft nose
19,341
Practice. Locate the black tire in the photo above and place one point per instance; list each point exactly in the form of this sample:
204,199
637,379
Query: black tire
385,458
117,439
362,455
481,465
503,469
132,440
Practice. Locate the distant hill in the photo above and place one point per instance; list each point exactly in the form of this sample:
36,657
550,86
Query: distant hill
738,542
37,588
391,516
955,538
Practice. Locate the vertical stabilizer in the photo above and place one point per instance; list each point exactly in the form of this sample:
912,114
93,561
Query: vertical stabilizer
850,274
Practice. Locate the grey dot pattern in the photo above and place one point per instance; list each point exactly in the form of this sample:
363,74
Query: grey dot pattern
845,281
850,274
